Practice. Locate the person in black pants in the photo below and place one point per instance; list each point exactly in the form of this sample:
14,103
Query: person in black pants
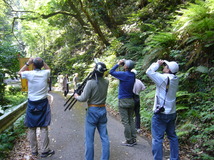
138,87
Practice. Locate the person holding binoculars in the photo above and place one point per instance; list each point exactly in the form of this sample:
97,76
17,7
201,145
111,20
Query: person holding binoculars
38,112
126,102
164,108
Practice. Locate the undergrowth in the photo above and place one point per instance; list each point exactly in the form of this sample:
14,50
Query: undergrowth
9,136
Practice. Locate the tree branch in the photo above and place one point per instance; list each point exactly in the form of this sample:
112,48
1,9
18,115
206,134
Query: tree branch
43,16
55,13
23,11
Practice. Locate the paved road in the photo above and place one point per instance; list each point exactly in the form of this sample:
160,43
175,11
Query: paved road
67,135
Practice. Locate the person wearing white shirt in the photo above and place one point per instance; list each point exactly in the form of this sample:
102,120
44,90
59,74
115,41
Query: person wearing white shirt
164,108
38,112
138,87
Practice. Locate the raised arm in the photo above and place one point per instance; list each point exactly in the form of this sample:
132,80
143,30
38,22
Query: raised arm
30,61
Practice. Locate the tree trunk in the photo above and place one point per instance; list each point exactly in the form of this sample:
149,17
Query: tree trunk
109,20
95,26
78,17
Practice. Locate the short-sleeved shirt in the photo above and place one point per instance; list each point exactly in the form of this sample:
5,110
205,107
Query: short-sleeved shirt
37,83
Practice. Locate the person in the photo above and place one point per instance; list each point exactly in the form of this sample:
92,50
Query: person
138,87
38,113
65,87
126,101
75,80
95,93
60,82
164,108
50,83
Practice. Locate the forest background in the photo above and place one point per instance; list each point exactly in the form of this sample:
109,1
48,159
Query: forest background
69,34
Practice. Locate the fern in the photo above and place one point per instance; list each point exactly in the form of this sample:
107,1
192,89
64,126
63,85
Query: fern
196,21
163,40
185,129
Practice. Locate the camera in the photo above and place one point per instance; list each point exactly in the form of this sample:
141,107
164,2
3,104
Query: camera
159,109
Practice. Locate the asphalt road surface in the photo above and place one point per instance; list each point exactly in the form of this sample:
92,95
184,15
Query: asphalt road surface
67,135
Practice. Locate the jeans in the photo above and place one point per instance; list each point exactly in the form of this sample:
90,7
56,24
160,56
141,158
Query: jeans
96,117
162,123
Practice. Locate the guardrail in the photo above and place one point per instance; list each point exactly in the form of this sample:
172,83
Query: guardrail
9,118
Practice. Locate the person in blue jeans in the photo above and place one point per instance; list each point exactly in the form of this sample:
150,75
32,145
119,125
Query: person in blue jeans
164,108
94,93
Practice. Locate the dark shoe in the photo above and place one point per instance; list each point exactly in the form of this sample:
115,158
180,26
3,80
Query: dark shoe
126,143
48,154
34,153
134,142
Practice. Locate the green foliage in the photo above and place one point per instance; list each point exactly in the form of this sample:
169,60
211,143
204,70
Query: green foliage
163,39
8,137
13,97
196,22
146,118
112,98
9,50
8,65
185,130
149,30
16,99
13,90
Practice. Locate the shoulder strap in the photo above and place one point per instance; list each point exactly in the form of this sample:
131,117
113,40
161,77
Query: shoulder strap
167,88
167,85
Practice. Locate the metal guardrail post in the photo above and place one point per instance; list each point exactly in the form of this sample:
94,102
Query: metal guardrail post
9,118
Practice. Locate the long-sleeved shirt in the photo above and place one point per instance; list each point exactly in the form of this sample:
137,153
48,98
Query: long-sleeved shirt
138,86
127,80
161,82
95,92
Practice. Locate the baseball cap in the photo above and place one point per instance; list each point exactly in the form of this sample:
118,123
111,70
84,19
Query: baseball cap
130,64
173,66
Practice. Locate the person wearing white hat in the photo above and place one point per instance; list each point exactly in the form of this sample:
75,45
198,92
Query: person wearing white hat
164,108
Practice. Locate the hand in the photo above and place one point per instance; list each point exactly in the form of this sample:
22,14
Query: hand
75,95
160,62
121,61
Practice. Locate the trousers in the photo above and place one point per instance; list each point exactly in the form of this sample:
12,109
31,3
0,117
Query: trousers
126,110
44,139
96,117
162,123
137,111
